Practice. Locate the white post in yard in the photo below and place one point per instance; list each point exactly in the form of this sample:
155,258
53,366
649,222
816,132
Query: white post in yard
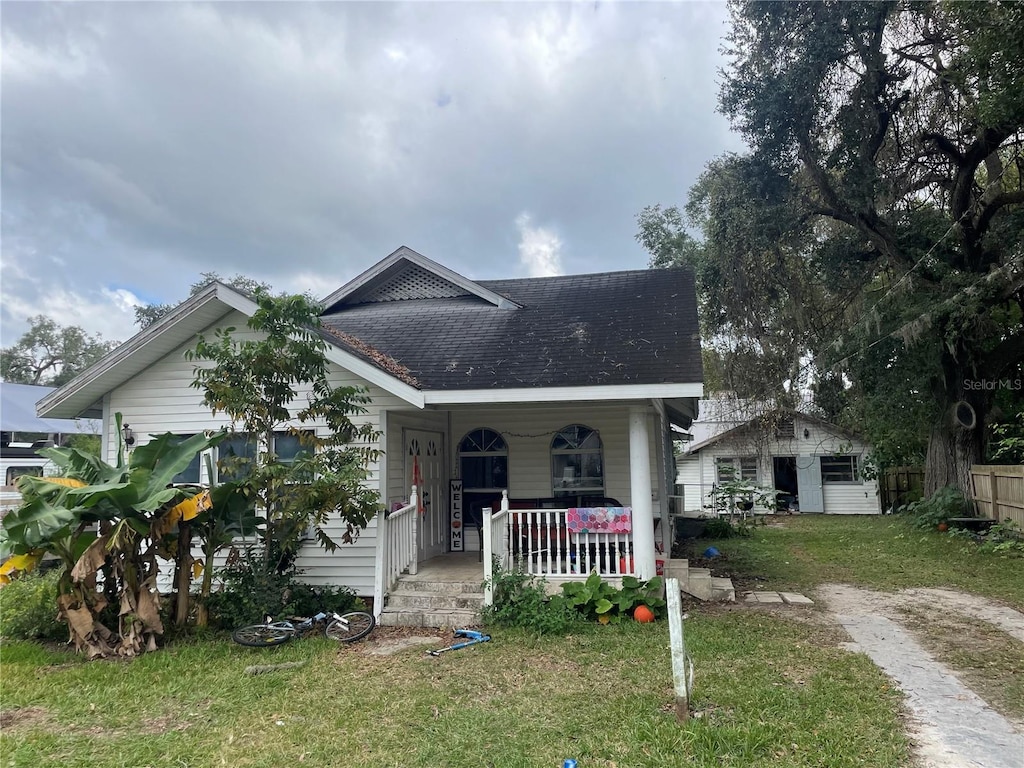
488,558
640,492
680,664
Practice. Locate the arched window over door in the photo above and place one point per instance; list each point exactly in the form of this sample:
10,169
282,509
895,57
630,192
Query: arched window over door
577,466
483,461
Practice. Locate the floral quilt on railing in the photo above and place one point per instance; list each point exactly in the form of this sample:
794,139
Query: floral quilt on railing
599,520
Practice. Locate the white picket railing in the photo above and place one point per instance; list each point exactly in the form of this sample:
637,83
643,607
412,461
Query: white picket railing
544,546
538,542
397,549
496,545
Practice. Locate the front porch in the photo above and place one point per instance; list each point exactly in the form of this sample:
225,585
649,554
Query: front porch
556,545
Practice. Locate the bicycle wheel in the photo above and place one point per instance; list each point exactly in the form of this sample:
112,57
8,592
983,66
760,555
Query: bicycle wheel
260,636
351,627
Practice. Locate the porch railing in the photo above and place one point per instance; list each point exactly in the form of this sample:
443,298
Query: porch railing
538,542
397,549
496,545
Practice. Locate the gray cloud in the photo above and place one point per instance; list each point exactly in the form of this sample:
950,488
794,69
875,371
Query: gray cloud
300,143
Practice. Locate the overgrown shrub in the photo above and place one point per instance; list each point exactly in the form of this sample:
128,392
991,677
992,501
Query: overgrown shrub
253,589
942,506
721,528
520,600
1004,539
28,608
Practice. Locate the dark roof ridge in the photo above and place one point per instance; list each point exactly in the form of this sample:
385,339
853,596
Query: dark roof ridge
583,274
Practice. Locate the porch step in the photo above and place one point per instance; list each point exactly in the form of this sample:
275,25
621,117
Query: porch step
406,598
722,590
419,602
397,617
699,583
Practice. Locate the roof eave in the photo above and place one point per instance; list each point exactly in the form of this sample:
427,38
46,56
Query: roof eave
563,394
82,392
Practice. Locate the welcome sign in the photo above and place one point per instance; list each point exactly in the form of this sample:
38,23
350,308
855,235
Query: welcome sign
458,542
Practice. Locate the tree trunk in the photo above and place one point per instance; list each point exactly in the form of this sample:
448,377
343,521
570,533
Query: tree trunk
203,609
183,574
957,438
951,452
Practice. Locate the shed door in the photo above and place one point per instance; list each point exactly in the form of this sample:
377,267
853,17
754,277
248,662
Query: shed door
808,481
426,450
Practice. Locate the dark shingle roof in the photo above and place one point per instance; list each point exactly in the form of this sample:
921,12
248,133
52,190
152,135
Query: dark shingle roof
616,328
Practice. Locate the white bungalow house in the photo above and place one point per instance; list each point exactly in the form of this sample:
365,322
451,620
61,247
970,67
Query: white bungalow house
814,466
555,393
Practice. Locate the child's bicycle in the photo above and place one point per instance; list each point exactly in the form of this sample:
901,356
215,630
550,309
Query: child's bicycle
343,627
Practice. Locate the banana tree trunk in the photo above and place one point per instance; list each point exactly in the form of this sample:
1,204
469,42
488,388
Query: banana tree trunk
183,574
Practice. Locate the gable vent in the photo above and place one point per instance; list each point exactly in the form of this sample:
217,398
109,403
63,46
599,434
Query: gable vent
413,282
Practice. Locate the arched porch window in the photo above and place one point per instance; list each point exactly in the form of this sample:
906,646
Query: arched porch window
577,466
483,461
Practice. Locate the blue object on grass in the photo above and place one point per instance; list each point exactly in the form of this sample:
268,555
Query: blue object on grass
711,552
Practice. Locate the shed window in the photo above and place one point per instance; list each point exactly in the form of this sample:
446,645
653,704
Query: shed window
483,461
577,467
744,468
839,469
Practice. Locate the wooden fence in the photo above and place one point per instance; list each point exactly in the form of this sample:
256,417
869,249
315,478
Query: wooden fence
899,486
998,491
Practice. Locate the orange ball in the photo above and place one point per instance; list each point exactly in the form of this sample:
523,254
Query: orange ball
643,614
943,527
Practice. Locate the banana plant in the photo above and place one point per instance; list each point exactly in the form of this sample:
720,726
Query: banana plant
106,523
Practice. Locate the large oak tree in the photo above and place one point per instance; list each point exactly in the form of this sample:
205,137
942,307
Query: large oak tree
873,233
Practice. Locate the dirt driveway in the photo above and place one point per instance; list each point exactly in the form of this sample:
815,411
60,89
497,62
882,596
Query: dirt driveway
951,726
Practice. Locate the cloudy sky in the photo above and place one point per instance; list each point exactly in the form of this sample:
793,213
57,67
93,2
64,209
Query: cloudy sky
299,143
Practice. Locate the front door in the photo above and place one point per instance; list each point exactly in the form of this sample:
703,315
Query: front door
425,451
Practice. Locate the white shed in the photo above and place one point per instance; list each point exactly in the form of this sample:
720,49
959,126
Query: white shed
814,466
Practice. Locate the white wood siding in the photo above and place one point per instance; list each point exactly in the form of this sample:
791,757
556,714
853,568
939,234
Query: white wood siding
688,478
160,400
529,430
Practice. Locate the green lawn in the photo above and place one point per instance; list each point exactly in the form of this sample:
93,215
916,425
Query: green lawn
883,553
774,688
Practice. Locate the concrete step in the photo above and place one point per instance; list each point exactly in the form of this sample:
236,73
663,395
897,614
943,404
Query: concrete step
415,584
722,590
456,619
698,584
407,598
676,568
679,570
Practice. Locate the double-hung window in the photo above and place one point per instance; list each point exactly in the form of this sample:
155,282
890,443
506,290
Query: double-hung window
729,469
237,453
191,474
839,469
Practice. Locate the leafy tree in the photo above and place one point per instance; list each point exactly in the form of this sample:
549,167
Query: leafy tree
51,354
280,382
873,233
148,314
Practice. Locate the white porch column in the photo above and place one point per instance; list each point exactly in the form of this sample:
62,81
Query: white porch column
640,492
